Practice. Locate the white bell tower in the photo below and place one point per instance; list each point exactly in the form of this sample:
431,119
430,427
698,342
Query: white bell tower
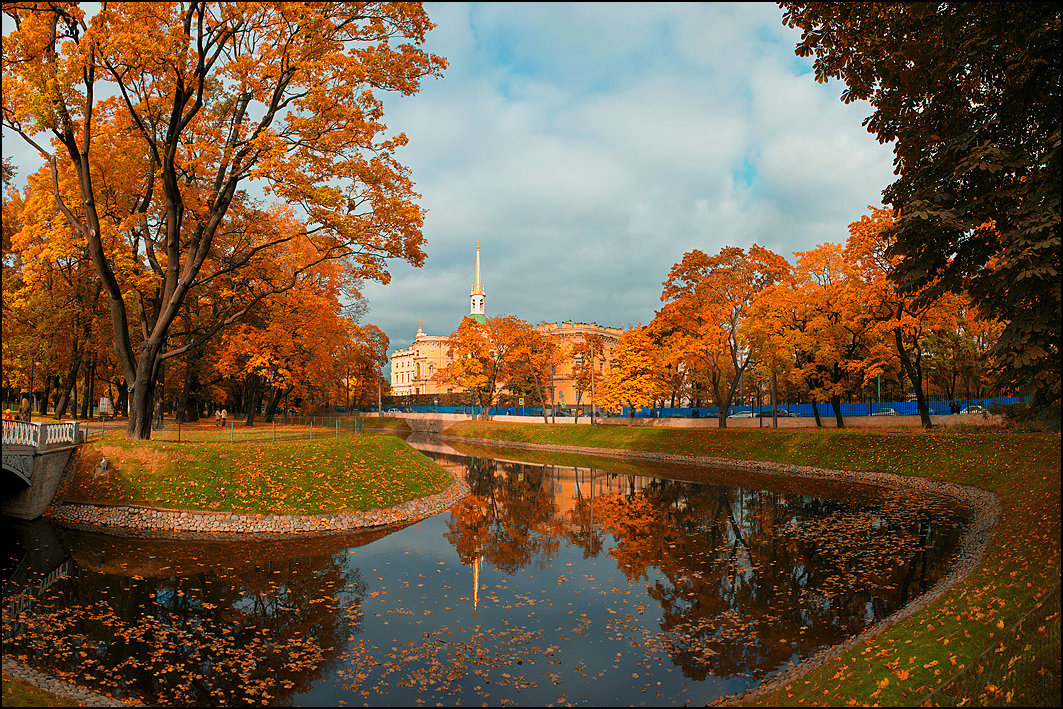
477,296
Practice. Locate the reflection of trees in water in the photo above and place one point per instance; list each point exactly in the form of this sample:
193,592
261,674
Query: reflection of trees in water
509,519
754,577
221,636
751,578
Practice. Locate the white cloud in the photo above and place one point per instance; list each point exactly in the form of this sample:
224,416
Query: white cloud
587,147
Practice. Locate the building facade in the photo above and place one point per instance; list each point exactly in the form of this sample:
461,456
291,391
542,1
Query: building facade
412,368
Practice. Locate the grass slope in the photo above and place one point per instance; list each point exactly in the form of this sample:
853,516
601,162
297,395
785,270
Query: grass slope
328,474
904,664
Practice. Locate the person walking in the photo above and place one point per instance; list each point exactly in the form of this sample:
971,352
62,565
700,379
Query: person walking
23,410
224,415
217,417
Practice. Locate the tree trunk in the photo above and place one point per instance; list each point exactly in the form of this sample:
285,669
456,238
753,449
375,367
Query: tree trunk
915,373
71,381
141,395
251,400
835,401
274,401
815,412
774,400
90,381
121,405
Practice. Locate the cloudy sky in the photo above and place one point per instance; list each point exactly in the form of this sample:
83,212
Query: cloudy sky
588,147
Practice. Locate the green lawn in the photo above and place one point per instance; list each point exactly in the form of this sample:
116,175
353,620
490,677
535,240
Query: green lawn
204,471
903,664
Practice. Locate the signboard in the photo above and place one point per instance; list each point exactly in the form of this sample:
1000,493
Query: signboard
105,406
521,400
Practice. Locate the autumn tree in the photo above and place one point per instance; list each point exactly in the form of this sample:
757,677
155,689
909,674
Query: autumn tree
364,354
198,100
837,345
635,379
706,299
489,356
969,95
907,319
533,360
587,364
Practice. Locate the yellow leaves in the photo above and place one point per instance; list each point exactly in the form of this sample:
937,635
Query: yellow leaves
902,675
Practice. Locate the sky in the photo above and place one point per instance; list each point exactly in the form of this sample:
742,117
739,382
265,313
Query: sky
588,147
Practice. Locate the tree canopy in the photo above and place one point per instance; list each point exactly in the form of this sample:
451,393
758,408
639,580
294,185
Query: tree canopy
970,95
162,115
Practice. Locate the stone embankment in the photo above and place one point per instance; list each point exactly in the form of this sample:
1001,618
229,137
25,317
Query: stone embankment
85,697
139,520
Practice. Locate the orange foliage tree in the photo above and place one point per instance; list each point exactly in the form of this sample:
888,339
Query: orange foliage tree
908,320
707,299
192,101
502,352
636,379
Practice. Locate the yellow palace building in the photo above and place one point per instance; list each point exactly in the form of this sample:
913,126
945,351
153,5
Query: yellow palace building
412,368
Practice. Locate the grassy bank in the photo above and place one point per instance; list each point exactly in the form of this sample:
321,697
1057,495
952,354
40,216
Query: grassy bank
205,471
17,693
905,663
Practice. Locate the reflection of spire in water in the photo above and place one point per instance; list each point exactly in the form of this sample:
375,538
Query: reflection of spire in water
476,583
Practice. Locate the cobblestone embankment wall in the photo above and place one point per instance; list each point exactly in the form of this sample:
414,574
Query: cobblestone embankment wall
158,522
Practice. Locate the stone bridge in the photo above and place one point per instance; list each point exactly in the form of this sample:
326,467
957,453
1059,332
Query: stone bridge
34,458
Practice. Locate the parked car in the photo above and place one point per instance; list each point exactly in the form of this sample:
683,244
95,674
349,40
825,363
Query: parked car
884,412
743,415
394,411
974,410
783,413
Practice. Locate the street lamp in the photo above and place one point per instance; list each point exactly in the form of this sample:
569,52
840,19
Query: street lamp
33,362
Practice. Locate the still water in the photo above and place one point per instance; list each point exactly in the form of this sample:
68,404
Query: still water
605,582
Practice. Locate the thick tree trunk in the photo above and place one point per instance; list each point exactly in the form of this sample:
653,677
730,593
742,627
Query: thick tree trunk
141,395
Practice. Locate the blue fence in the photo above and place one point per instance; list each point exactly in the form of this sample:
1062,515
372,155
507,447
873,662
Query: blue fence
885,408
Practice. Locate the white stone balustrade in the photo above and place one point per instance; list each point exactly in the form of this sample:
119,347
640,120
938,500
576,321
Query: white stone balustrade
20,433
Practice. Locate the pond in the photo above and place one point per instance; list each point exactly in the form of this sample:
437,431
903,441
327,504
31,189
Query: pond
559,580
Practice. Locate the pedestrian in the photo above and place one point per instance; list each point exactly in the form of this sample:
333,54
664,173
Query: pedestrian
217,417
224,415
23,410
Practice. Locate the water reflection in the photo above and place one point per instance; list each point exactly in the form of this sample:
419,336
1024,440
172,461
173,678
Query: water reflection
608,582
748,580
182,622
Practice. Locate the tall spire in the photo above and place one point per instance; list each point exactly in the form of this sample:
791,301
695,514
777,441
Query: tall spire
477,296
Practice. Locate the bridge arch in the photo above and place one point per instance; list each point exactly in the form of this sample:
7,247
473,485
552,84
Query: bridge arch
36,454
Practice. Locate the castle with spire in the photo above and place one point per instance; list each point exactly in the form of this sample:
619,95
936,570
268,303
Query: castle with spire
413,368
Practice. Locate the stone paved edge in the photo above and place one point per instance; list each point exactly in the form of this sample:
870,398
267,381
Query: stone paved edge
17,670
159,522
982,504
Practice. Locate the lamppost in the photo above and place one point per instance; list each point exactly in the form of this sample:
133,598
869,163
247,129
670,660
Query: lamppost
33,362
